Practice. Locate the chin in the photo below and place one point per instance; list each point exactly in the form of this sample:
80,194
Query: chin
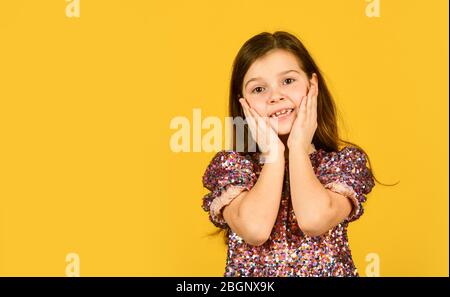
284,130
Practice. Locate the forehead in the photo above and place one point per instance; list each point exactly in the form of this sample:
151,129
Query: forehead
272,63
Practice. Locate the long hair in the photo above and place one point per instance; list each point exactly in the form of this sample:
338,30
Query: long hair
326,136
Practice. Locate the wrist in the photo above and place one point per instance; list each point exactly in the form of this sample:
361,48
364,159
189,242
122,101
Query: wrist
276,155
297,149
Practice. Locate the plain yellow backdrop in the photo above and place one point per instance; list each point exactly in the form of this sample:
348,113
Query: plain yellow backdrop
85,107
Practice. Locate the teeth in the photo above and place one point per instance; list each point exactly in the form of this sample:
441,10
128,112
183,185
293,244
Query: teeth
285,111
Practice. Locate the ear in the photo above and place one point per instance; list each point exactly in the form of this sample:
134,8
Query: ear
314,81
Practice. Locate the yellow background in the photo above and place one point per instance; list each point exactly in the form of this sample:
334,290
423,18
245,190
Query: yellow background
85,163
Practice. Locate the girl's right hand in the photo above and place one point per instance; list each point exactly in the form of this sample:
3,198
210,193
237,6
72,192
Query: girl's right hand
262,132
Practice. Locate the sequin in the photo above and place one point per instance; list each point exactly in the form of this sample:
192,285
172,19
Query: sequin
288,251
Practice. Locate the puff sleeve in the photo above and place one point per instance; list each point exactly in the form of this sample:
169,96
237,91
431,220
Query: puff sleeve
345,172
227,175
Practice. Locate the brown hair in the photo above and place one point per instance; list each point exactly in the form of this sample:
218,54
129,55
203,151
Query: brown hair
326,136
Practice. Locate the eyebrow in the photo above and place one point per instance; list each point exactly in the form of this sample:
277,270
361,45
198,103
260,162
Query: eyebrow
279,74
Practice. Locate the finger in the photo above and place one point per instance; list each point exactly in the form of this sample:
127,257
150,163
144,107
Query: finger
311,99
253,112
316,94
314,105
265,131
267,120
258,118
251,120
303,104
300,104
260,124
246,112
243,103
249,108
310,90
245,108
255,117
264,128
248,117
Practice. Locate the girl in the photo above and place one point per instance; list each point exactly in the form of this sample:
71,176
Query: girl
287,217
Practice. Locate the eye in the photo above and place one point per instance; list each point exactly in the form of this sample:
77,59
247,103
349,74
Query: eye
257,90
289,81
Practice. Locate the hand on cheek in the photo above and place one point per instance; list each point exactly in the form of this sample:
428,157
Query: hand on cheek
259,127
305,123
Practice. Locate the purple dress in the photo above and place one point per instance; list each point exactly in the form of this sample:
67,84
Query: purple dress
288,251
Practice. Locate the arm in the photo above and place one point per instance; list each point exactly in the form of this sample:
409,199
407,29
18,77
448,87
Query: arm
317,209
253,213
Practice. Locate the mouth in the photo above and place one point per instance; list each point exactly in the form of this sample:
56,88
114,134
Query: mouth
282,114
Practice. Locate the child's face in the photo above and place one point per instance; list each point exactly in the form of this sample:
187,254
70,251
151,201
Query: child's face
275,82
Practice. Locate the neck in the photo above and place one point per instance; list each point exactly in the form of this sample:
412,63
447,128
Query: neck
284,139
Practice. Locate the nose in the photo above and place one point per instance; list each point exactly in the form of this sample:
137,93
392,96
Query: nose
276,97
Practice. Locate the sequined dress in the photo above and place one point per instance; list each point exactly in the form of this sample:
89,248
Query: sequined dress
288,251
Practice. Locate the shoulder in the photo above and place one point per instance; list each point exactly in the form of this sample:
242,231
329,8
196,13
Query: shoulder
231,160
353,155
348,166
228,164
350,154
227,158
345,154
348,159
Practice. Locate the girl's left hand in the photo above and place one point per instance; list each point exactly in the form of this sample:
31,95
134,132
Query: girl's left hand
305,124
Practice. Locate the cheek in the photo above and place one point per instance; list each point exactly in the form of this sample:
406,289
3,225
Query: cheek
259,106
297,94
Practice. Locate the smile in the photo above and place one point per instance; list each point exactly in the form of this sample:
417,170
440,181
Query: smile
282,113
